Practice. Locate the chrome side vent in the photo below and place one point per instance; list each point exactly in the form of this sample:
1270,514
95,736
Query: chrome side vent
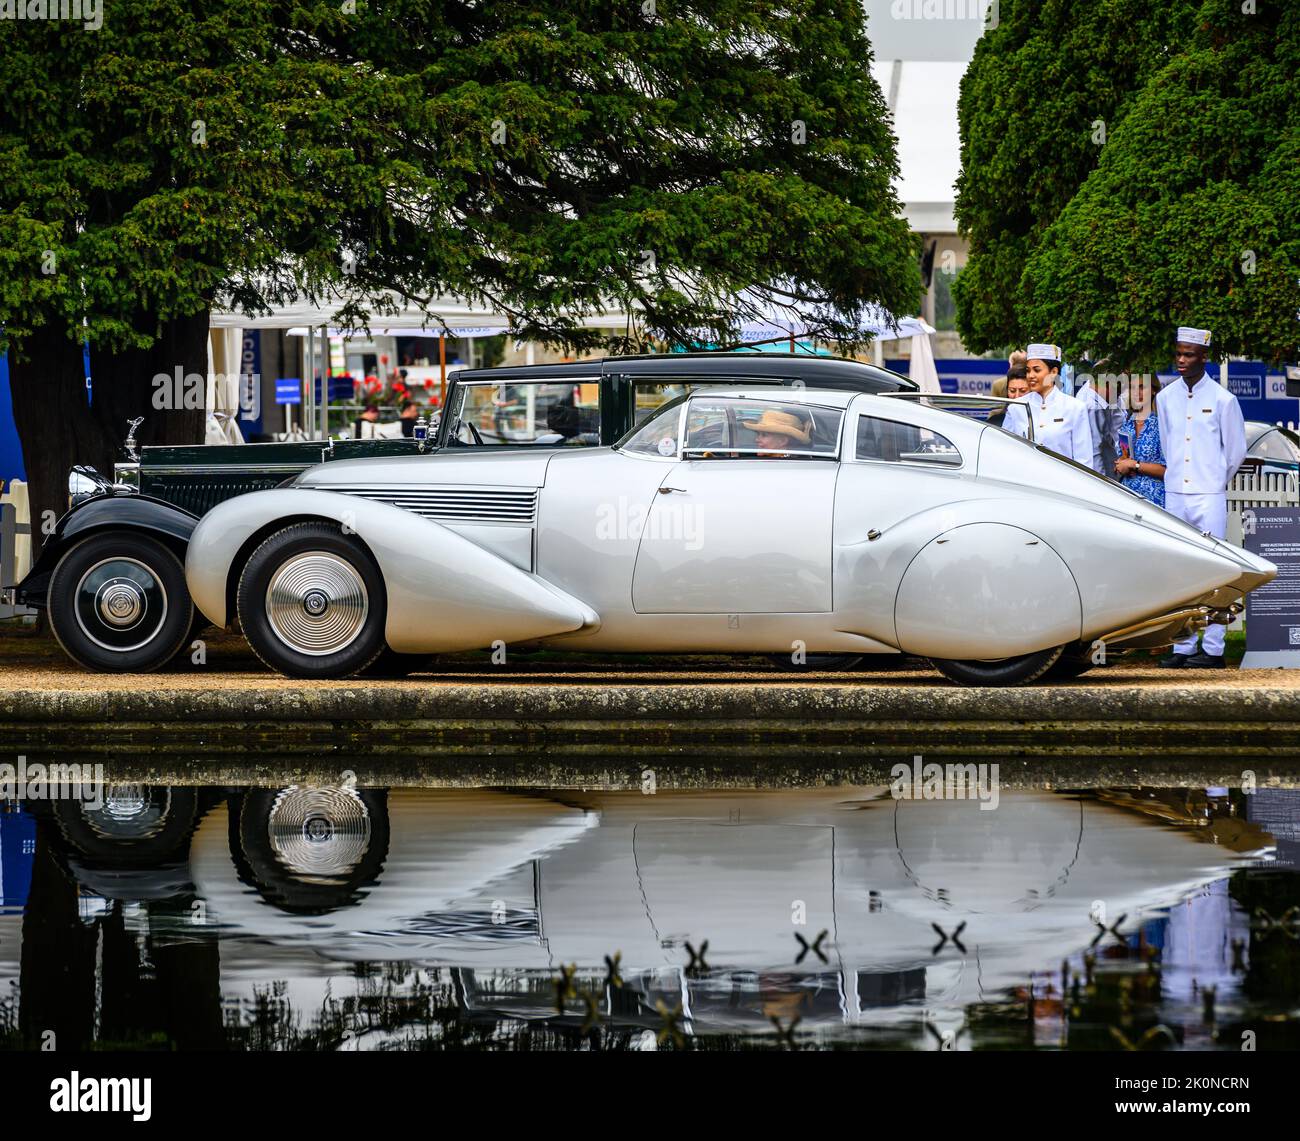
456,504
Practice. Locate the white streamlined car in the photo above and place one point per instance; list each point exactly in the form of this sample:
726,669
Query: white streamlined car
877,525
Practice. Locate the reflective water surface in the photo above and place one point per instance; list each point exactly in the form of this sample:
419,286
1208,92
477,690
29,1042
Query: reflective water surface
341,917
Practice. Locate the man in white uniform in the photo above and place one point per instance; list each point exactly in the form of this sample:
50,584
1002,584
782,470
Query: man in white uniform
1203,435
1060,422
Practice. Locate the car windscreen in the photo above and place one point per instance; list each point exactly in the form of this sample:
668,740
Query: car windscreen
1276,446
656,434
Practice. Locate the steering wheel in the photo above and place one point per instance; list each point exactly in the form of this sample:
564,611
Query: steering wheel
473,431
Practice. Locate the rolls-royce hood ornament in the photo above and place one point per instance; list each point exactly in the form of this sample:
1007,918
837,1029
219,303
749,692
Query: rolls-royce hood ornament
129,444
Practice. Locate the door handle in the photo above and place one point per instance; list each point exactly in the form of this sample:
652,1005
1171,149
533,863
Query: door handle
666,490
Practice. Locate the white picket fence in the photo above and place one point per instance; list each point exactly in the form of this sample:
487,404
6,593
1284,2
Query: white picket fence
1258,489
15,551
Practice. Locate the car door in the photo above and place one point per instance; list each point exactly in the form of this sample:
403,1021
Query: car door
736,529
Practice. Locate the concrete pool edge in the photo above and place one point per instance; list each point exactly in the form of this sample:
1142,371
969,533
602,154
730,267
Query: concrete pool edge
1116,719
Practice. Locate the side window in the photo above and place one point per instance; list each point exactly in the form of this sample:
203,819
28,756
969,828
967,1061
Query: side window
742,428
566,413
892,442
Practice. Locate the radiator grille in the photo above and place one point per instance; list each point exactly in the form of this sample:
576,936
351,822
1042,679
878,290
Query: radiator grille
456,504
199,494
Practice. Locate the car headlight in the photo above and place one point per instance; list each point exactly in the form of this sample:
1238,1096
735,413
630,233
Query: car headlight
82,485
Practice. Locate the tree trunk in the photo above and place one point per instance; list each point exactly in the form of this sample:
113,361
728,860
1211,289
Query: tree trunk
56,970
56,426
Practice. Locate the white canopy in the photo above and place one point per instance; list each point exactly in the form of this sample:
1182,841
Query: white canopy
767,322
454,312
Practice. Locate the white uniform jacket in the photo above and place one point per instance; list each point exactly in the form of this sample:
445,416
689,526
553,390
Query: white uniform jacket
1060,423
1203,435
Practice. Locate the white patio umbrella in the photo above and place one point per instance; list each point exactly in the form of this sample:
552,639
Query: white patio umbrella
922,368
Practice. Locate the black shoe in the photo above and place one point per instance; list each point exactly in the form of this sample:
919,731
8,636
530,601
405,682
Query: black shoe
1177,661
1203,661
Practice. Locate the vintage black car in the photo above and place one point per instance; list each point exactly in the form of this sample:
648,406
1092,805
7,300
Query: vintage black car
111,575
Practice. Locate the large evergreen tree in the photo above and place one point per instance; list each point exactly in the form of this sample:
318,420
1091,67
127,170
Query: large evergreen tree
1192,217
1045,91
542,158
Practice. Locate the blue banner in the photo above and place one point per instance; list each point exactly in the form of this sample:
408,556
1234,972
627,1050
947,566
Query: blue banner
250,383
11,451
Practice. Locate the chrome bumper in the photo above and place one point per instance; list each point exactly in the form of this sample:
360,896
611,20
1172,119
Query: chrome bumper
1164,629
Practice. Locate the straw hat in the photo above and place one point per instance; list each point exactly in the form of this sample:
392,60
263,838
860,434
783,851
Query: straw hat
781,424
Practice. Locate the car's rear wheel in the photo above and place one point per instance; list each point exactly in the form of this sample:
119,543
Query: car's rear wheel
118,602
311,602
1005,671
1074,662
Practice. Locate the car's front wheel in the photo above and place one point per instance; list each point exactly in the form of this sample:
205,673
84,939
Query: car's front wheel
312,603
1005,671
118,602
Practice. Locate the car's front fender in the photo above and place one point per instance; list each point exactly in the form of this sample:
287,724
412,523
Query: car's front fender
137,513
444,592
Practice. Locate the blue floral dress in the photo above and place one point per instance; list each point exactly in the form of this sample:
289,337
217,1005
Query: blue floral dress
1146,450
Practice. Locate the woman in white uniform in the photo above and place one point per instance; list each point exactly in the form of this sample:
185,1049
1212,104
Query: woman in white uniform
1061,423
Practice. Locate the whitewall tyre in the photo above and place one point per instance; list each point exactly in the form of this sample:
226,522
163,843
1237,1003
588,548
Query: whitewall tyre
118,602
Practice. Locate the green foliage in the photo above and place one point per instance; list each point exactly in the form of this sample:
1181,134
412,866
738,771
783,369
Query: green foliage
1041,89
545,159
1192,215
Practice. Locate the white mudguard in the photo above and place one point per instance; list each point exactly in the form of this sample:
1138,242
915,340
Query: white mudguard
444,592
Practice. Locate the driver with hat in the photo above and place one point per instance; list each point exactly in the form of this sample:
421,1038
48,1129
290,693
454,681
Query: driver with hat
778,432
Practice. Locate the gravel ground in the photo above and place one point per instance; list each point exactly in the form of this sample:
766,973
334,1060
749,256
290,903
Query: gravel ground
36,663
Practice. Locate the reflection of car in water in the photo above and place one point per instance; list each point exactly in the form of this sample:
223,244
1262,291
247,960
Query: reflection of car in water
135,844
309,850
499,883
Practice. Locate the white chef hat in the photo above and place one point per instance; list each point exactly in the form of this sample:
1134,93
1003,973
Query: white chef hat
1039,352
1189,336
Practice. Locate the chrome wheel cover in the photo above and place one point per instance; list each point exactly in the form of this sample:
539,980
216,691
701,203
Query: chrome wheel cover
120,604
130,812
319,834
317,603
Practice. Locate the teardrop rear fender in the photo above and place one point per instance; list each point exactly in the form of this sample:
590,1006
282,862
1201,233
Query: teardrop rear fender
444,591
